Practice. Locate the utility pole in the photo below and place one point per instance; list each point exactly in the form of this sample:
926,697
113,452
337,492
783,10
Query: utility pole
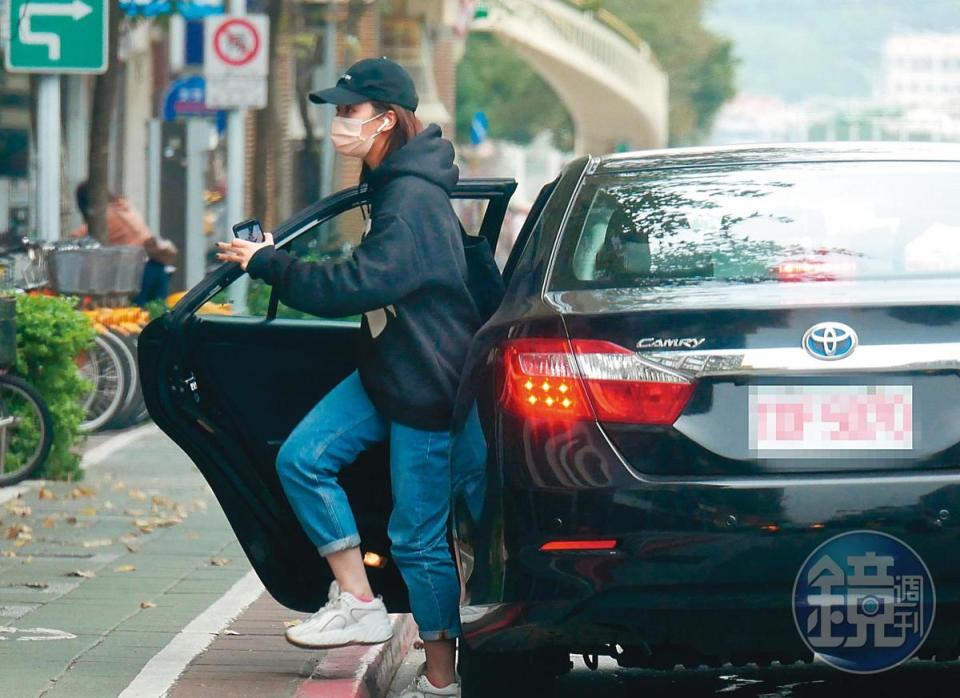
329,78
48,152
236,177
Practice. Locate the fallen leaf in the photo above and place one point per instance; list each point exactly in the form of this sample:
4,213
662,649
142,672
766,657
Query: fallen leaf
162,501
8,553
18,508
125,568
81,491
132,548
128,538
20,542
219,561
72,520
17,531
147,604
118,486
168,521
97,543
230,632
44,493
49,522
36,585
108,505
87,511
81,573
145,525
291,623
136,494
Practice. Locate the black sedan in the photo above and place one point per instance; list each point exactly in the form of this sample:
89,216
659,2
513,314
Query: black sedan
720,403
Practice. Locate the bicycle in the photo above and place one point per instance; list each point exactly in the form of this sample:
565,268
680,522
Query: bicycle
26,425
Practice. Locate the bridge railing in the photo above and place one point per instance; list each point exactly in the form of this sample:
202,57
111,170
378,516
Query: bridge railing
617,48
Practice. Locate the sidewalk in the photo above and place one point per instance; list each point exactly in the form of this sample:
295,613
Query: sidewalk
102,574
251,659
161,580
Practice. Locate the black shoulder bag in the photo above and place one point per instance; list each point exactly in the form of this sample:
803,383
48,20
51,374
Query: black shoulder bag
483,277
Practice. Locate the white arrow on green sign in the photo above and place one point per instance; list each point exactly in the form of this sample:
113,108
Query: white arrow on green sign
57,37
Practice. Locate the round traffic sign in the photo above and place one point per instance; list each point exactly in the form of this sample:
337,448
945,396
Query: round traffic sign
236,42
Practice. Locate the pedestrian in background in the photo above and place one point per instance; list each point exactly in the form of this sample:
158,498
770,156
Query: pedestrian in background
125,226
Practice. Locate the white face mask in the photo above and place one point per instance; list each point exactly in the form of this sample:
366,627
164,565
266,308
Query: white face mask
347,135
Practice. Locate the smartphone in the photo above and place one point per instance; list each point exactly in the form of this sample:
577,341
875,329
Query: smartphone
249,230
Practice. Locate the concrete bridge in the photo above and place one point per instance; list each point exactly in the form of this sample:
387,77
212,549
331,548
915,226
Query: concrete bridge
606,75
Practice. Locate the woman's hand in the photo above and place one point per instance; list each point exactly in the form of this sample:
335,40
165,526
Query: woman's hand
242,251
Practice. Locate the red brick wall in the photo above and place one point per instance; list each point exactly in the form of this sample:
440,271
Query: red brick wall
446,54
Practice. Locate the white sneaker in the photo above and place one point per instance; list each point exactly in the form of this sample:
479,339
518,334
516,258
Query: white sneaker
421,687
344,620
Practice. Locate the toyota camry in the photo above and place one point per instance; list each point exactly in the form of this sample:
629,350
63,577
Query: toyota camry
708,364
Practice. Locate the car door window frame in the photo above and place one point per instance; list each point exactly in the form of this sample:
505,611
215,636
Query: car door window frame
523,237
496,190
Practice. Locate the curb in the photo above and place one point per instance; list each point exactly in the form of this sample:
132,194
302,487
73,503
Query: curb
361,672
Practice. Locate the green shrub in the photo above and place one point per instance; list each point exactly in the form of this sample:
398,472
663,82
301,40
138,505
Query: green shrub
50,334
156,308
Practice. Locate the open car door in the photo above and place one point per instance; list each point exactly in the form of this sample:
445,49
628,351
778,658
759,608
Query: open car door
229,388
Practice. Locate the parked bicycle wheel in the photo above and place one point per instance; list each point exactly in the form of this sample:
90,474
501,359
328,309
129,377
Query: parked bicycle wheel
26,430
103,366
127,352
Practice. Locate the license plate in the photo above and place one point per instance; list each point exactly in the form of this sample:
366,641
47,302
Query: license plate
831,417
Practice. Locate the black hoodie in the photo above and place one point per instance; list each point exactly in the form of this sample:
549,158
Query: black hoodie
408,278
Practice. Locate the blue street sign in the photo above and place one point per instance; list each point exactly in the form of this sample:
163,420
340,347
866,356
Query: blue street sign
198,9
185,98
146,8
190,9
193,42
478,128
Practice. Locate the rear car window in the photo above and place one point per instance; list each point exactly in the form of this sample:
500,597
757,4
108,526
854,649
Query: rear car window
762,224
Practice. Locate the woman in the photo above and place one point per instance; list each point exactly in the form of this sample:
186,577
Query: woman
407,277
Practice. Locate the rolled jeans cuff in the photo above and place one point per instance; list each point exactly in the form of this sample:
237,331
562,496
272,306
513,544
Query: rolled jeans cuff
351,541
431,635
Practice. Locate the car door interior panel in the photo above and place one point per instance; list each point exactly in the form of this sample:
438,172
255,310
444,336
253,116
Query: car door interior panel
229,390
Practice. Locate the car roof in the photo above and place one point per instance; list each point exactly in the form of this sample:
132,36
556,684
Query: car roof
773,153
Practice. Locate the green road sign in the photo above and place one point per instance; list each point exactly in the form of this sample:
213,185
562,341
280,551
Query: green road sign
57,36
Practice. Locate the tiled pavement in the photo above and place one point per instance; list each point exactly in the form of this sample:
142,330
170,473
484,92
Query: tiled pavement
256,662
145,506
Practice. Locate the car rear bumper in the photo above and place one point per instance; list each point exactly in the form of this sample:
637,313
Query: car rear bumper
703,570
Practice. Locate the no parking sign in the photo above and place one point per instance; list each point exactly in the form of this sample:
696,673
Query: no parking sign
236,61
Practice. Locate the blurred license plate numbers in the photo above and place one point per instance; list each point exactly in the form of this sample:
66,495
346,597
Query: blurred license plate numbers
831,417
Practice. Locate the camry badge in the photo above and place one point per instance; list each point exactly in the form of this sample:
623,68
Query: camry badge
670,342
829,341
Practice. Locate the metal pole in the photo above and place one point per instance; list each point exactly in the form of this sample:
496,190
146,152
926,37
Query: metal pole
329,78
195,254
236,177
154,156
48,150
77,136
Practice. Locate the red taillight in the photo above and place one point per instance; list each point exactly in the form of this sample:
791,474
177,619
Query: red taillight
567,545
625,388
541,380
555,378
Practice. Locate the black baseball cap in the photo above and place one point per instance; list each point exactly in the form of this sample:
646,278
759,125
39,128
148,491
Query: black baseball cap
372,79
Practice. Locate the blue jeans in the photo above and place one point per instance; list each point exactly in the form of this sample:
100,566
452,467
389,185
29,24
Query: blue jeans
341,426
